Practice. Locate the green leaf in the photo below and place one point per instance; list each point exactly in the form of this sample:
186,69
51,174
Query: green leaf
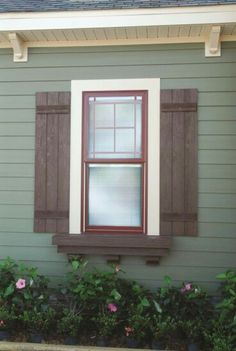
167,280
145,302
75,265
116,295
157,306
221,276
9,290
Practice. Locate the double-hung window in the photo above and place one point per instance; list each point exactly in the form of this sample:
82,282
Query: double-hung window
114,165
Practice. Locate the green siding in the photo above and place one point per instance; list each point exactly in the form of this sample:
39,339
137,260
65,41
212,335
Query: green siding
178,66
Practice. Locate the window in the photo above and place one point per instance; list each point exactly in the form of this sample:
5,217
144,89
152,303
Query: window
114,161
165,165
119,131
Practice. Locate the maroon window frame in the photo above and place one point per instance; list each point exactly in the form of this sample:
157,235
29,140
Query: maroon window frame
140,161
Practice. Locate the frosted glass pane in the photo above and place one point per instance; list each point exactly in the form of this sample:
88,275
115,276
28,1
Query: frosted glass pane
124,140
114,195
104,116
124,115
104,140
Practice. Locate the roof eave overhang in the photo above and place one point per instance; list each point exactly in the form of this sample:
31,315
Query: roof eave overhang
12,25
117,18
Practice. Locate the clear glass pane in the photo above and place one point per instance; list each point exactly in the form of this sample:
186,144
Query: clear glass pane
125,115
115,195
104,140
125,140
91,128
104,115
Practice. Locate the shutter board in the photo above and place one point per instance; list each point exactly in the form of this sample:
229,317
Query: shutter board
178,164
166,164
52,162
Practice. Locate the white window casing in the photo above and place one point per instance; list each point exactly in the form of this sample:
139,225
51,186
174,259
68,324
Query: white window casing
152,86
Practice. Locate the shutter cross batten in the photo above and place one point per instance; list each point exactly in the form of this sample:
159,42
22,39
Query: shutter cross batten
178,164
52,162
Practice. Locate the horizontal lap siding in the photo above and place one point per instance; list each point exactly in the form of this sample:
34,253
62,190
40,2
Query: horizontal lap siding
179,66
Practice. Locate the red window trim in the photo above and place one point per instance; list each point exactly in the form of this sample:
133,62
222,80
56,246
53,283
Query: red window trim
85,161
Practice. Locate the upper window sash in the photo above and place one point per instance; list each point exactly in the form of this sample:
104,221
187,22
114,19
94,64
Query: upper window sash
114,126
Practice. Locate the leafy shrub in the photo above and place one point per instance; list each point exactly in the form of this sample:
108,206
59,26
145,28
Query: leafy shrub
218,338
69,323
226,308
163,328
8,318
106,324
38,321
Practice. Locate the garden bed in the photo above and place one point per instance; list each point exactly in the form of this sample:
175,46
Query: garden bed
21,346
102,309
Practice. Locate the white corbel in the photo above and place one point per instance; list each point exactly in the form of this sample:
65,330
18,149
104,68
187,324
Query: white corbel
20,50
213,44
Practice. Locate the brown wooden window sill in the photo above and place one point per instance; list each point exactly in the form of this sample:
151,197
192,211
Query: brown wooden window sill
151,247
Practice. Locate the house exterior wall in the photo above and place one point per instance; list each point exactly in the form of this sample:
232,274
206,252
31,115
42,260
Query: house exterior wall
179,66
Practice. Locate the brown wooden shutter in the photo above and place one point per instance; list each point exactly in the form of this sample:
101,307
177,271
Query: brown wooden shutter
178,162
52,162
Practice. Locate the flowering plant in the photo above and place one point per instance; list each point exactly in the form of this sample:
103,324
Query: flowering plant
30,289
138,320
21,287
92,291
196,303
187,302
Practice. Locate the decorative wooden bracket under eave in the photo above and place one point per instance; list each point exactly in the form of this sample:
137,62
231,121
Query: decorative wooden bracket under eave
20,50
213,44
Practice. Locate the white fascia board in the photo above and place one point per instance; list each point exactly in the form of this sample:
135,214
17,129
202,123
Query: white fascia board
118,18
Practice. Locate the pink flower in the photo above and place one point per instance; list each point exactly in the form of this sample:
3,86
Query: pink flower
128,330
186,287
20,284
112,307
2,323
